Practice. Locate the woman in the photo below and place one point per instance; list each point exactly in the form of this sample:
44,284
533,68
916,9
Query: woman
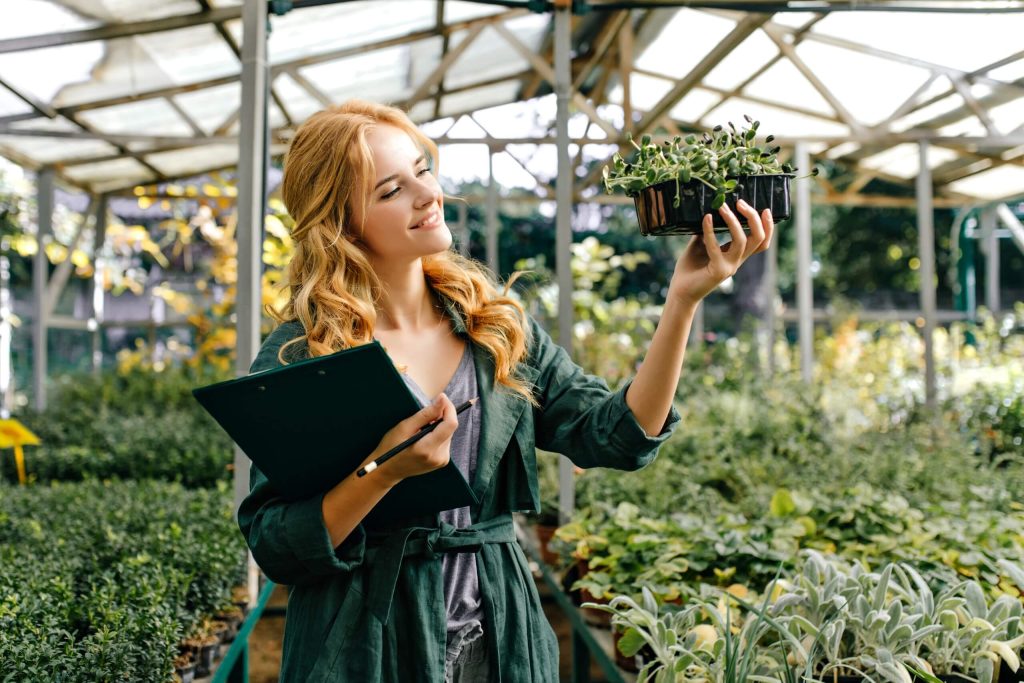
447,597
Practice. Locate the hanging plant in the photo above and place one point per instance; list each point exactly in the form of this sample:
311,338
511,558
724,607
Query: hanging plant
674,184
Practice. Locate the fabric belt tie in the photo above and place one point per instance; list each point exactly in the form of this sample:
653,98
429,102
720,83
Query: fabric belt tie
384,561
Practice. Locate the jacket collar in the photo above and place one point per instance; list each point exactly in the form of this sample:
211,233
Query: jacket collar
500,409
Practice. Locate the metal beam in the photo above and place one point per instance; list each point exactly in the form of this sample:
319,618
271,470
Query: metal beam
562,84
109,31
804,283
251,189
282,66
744,27
790,52
545,70
40,275
990,247
1012,224
438,73
98,295
492,216
926,251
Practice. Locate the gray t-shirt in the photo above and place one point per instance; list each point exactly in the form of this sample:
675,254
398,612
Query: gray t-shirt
461,586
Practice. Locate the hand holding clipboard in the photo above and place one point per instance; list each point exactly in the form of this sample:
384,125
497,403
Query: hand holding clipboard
392,452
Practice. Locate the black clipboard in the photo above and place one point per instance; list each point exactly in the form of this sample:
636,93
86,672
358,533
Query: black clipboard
309,424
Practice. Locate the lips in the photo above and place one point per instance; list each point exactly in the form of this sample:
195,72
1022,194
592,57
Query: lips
432,220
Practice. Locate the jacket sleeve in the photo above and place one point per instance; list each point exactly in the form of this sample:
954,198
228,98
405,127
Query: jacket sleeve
289,539
584,419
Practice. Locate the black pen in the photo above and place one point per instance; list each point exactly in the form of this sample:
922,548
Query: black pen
371,466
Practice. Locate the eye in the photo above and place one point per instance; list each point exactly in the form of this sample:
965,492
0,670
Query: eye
423,170
391,194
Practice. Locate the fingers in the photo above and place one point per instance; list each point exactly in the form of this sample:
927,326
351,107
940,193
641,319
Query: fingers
449,421
769,229
737,248
756,238
715,256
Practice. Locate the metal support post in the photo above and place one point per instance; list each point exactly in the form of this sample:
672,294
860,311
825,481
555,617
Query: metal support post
563,230
252,164
492,216
98,294
804,285
6,330
771,284
40,275
926,249
991,244
463,228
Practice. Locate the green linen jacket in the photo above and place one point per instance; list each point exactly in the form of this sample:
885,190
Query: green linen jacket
372,609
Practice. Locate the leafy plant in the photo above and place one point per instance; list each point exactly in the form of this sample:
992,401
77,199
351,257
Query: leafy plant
715,159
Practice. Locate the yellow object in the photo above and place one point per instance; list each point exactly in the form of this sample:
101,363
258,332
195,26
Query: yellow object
14,435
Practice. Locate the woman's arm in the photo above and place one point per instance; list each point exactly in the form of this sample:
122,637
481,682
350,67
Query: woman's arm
699,270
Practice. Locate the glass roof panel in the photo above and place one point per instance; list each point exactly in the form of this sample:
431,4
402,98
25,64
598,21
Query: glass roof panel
11,103
48,150
666,55
37,14
181,162
1001,182
106,175
739,64
904,160
52,68
152,61
694,104
123,11
490,55
1008,117
455,10
871,88
961,41
301,105
317,30
932,111
645,91
145,117
515,120
380,75
478,98
783,81
774,121
1009,72
210,107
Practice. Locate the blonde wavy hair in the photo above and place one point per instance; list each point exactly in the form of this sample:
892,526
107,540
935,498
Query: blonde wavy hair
332,287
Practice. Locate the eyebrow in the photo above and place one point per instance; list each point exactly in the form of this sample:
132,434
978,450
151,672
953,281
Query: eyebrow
422,157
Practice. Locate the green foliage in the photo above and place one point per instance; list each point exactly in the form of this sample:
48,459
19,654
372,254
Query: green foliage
137,424
102,581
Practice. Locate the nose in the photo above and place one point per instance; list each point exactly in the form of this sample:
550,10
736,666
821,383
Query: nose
429,191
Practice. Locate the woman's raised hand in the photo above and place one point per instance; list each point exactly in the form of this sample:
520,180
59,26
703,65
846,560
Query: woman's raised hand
431,452
704,264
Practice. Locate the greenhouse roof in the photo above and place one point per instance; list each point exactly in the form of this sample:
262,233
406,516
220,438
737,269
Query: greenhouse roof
118,93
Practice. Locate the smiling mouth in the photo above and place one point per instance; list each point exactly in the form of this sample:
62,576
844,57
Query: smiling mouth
430,221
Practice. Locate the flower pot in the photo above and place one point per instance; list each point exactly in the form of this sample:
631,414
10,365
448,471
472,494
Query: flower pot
186,673
658,215
207,656
1006,675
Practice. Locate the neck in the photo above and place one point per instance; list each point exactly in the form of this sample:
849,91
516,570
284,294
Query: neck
407,303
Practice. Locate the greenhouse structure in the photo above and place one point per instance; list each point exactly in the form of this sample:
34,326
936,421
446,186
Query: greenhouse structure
839,491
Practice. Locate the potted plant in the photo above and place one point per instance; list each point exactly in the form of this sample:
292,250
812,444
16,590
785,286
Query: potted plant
674,184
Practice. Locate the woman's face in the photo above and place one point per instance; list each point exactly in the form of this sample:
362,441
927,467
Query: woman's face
405,215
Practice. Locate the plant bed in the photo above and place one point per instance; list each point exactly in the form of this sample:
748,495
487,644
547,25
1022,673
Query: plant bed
675,184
